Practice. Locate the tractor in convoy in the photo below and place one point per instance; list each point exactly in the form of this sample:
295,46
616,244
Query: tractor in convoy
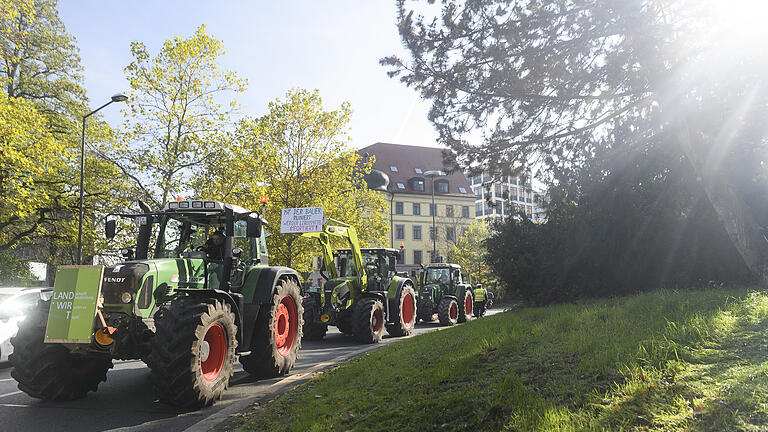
443,295
202,295
363,295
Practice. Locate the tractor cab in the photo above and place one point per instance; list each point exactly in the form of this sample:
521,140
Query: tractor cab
216,238
379,265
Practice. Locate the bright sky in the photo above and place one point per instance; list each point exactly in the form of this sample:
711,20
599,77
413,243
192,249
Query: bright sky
331,45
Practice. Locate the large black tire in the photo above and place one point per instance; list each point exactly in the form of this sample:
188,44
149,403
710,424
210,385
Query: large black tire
193,352
50,371
448,311
368,321
278,333
466,307
312,330
403,310
344,322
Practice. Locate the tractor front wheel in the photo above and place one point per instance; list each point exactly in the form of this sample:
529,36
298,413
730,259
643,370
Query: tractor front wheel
467,307
404,311
50,371
448,311
193,352
368,320
312,330
278,333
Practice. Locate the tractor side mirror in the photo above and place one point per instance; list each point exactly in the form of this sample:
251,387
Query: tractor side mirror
253,227
237,252
110,228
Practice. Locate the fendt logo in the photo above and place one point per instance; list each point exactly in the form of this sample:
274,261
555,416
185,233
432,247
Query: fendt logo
114,279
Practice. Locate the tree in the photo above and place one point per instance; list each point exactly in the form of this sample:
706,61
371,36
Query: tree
298,155
558,82
177,106
470,253
43,104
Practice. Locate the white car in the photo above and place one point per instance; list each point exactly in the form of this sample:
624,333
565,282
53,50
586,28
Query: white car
14,303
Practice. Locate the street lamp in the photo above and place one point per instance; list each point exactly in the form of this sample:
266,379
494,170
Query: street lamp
432,174
115,98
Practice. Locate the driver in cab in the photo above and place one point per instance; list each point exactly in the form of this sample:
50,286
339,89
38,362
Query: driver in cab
214,246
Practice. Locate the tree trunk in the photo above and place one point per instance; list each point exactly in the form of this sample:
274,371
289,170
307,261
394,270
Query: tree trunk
736,217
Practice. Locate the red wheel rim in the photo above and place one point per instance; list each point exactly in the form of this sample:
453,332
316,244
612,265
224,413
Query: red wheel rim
213,350
468,305
454,311
286,325
408,309
376,320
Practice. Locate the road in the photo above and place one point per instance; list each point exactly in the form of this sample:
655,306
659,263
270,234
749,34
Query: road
125,402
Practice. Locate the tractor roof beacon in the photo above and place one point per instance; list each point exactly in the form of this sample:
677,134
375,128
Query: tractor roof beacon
363,294
186,301
444,295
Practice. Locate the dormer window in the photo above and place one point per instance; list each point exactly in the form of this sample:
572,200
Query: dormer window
417,184
393,168
441,186
401,186
462,190
418,170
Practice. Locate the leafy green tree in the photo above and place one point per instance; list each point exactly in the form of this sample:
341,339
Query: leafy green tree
470,253
299,155
43,103
178,104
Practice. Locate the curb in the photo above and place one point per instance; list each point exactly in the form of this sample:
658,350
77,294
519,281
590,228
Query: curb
209,423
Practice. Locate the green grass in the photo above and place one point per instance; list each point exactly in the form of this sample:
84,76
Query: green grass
665,361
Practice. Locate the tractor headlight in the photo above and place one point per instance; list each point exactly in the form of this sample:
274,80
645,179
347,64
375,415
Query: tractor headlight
126,297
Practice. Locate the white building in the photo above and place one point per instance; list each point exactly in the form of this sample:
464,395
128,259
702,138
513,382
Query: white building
496,197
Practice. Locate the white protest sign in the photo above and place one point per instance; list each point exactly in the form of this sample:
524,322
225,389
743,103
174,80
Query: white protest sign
301,220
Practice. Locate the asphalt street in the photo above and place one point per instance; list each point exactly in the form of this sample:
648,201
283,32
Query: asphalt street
125,402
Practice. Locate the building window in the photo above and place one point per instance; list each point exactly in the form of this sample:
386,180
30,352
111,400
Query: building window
398,208
449,210
441,186
418,170
462,190
478,192
417,184
478,209
401,186
450,233
417,209
431,233
393,168
417,258
417,232
399,232
465,211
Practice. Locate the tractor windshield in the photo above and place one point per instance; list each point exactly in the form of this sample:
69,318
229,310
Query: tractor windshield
379,264
177,237
437,275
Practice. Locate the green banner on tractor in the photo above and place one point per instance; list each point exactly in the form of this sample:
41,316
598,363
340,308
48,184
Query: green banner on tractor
73,304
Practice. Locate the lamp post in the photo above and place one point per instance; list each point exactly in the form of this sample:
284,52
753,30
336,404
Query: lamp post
115,98
432,174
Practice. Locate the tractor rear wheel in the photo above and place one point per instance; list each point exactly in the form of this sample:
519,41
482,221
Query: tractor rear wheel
312,330
50,371
368,320
403,309
467,307
278,333
193,352
448,311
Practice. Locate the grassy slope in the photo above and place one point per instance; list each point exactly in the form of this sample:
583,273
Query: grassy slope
664,361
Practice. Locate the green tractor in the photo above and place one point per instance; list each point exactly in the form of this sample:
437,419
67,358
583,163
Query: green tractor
363,296
204,296
443,295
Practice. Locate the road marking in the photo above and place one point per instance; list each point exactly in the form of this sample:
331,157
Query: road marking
11,394
15,406
7,379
